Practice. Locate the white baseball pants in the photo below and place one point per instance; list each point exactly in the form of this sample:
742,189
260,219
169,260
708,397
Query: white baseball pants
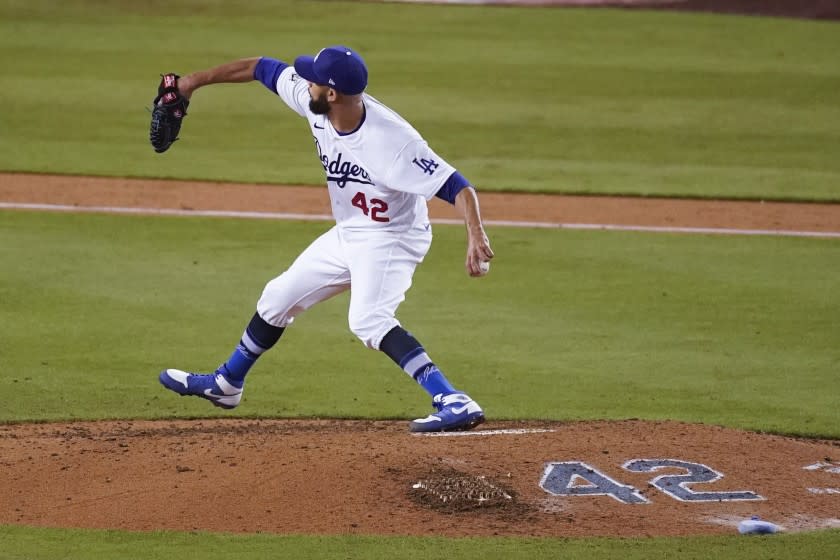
376,266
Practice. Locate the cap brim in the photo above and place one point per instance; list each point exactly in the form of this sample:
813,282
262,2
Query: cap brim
305,68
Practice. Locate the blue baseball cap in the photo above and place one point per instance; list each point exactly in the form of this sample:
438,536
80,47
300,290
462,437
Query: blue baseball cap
339,67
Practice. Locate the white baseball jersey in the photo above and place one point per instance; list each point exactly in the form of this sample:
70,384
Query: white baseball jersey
379,176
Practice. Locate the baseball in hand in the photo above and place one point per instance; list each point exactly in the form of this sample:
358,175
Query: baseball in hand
484,267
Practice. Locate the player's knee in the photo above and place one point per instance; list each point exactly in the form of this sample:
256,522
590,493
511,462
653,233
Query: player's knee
273,307
370,328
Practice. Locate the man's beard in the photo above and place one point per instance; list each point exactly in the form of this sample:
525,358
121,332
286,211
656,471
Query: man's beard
320,106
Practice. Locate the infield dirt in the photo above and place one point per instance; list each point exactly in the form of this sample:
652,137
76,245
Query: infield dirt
98,192
340,477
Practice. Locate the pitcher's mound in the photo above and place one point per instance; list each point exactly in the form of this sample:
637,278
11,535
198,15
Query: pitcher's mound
625,478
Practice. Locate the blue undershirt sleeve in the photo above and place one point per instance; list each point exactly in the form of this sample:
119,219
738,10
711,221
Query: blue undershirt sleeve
268,71
452,187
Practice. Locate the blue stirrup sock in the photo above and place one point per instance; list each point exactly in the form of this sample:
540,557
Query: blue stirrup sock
407,352
258,337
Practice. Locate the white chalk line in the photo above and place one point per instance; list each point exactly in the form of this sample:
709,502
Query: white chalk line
824,490
833,468
164,211
487,432
327,217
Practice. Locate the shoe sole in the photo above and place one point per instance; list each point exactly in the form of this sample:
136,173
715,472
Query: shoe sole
175,388
220,405
466,426
472,423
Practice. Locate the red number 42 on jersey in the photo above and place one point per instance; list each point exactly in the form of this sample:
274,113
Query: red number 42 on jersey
375,210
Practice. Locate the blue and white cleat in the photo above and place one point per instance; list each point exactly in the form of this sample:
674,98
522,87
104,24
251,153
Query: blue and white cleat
211,386
456,412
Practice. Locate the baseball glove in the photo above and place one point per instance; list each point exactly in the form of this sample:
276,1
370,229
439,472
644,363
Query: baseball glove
168,110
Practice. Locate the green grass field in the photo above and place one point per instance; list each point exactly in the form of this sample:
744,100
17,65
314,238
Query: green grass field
736,331
41,544
518,99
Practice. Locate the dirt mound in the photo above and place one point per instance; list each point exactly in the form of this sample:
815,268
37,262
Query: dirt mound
335,477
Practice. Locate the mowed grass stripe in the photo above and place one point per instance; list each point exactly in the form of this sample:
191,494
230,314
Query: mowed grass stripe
72,544
568,325
537,99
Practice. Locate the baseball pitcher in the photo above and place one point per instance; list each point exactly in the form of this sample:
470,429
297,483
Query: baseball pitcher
380,174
